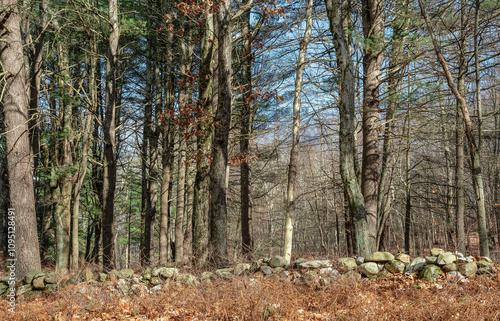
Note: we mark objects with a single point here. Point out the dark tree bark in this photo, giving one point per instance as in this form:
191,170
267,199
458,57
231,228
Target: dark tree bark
109,181
338,17
204,142
222,119
245,133
166,156
18,150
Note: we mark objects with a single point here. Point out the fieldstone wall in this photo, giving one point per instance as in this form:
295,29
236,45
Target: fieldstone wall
315,272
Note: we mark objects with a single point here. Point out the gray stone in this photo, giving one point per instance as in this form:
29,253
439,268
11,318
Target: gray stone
345,264
155,281
240,268
458,254
4,279
352,275
157,288
126,274
485,258
430,272
431,259
485,270
298,261
123,286
456,275
278,270
51,278
167,273
23,289
310,278
436,251
316,264
146,275
395,266
468,259
224,273
189,280
360,260
113,275
405,258
72,279
450,267
379,257
102,277
277,261
328,271
484,263
468,269
32,275
207,275
369,268
38,283
87,275
446,258
416,265
266,270
138,288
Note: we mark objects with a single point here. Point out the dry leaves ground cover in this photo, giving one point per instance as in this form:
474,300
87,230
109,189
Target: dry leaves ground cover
246,298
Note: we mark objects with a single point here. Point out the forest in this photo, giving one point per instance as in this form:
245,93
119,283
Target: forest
140,133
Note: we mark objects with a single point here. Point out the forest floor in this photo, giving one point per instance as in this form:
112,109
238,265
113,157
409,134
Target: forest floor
394,297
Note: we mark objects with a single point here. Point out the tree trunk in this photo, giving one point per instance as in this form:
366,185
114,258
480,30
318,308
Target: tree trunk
222,120
19,158
204,143
109,181
408,214
64,178
294,153
373,30
245,135
338,27
166,155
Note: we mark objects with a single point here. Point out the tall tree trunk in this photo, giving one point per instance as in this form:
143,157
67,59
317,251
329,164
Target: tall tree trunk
184,97
109,182
477,175
19,158
64,184
86,141
245,135
294,153
204,142
395,67
179,209
222,120
166,155
408,215
338,17
373,30
474,149
459,135
188,211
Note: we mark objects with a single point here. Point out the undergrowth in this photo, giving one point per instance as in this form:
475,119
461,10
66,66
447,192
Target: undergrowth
246,298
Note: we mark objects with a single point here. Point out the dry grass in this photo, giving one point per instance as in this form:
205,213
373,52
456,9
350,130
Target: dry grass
391,298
